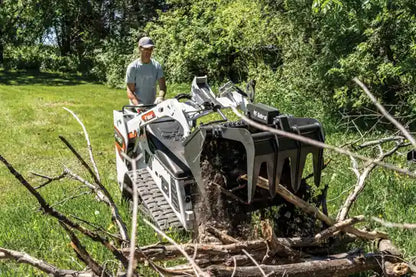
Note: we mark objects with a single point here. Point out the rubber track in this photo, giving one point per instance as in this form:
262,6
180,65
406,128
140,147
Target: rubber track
155,203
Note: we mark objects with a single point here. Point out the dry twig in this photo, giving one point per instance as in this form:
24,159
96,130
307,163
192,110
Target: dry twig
329,232
97,174
50,179
254,261
387,224
132,258
195,267
83,254
385,113
25,258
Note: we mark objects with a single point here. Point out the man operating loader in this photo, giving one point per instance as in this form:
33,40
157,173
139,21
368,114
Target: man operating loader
142,76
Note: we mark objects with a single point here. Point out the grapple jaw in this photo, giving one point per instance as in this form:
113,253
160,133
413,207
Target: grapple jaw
267,154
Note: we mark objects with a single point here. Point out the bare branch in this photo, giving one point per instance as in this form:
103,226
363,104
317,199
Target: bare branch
132,257
99,228
195,267
221,235
254,261
52,212
50,179
340,265
80,158
100,194
83,254
385,113
235,267
329,232
275,245
387,224
88,143
314,211
22,257
63,201
361,178
379,141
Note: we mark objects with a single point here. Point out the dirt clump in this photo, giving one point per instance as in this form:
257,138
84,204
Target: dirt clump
221,200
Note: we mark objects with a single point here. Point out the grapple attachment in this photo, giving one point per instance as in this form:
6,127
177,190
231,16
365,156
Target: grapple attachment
266,152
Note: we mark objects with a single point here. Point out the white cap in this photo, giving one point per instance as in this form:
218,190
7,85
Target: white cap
146,42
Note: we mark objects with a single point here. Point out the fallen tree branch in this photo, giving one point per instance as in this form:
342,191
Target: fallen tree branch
98,228
83,254
72,197
276,247
52,212
314,211
221,235
195,267
25,258
255,262
169,252
387,224
329,232
337,266
132,258
379,141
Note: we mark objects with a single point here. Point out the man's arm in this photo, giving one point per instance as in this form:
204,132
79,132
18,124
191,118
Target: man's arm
162,90
162,87
131,88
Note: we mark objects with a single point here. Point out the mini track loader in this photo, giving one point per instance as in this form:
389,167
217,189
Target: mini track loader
159,150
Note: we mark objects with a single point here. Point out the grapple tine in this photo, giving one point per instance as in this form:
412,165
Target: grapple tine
252,175
309,128
318,164
271,173
279,168
300,166
293,171
245,137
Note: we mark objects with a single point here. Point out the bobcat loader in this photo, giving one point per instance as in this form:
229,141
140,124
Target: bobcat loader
160,151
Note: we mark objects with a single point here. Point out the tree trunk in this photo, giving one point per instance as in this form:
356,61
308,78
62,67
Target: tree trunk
1,53
1,47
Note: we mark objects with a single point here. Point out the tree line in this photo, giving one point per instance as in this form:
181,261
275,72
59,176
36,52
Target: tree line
300,52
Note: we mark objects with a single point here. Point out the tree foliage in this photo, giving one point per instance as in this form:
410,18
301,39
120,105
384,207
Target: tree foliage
77,28
299,51
218,38
305,50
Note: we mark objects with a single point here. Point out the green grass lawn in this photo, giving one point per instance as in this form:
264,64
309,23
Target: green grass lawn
31,119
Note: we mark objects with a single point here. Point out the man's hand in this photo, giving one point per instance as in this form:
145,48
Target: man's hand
131,87
159,100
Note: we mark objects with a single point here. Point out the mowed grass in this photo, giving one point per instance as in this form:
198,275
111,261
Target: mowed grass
31,119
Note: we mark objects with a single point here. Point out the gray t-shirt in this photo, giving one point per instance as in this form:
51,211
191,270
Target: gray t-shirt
144,76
